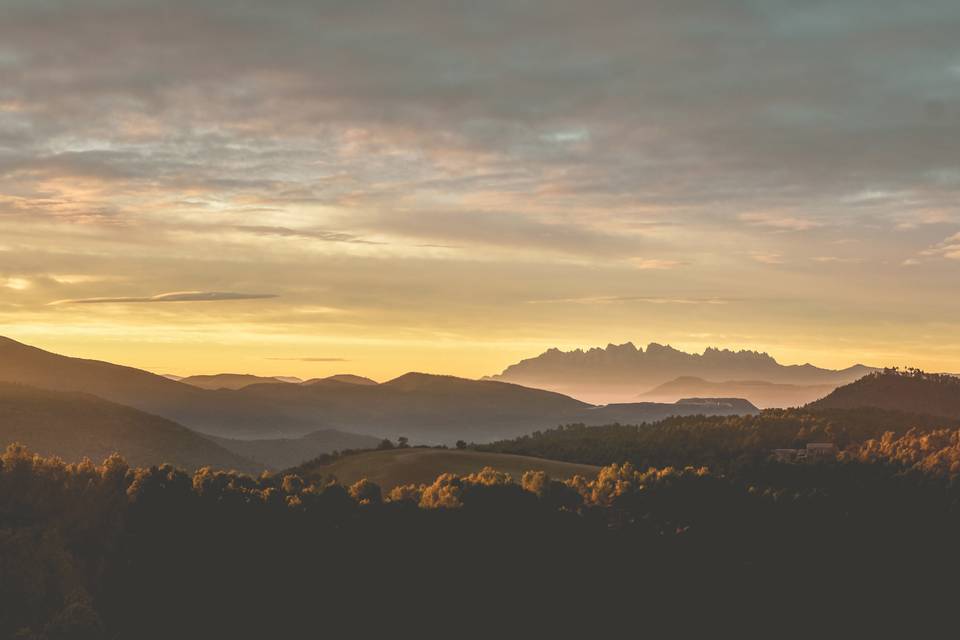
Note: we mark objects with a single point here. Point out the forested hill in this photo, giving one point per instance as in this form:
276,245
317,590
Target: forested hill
720,442
908,390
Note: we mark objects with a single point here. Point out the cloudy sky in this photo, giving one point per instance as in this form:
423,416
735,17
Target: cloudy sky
309,187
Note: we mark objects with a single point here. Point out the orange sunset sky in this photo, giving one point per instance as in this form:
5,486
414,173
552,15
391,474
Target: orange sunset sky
205,187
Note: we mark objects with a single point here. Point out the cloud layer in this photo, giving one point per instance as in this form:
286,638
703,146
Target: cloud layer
426,168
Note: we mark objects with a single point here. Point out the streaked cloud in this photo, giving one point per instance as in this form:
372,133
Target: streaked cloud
643,299
767,258
307,234
654,263
779,221
948,248
177,296
311,359
836,260
407,176
15,283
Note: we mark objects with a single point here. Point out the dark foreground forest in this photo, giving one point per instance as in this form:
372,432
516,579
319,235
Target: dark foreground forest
106,551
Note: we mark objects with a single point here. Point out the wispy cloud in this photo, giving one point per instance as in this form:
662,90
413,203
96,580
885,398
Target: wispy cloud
836,260
779,222
176,296
767,258
311,359
949,248
643,299
654,263
309,234
78,278
16,283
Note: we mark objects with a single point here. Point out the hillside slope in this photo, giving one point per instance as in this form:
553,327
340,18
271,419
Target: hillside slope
422,466
909,391
763,394
283,453
77,425
219,412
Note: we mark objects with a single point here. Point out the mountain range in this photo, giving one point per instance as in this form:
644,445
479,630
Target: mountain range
228,380
620,372
423,407
241,380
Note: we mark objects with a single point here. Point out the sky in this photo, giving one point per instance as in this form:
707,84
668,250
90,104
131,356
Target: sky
314,187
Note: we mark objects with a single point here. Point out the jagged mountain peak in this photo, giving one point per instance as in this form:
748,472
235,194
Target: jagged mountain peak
604,374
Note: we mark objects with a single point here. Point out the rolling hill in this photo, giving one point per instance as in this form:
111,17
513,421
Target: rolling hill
908,391
422,466
283,453
227,380
442,409
763,394
78,425
343,377
423,407
618,372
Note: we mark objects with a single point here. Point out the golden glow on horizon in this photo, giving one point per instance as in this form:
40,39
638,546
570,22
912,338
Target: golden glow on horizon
450,206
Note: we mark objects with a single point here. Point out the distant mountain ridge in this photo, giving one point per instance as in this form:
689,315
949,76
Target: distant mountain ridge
228,380
423,407
635,412
237,381
760,392
347,378
622,371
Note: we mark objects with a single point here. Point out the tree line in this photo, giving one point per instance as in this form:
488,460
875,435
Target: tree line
108,551
727,443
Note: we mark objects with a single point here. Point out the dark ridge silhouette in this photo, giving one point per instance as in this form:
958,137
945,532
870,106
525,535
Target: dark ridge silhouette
622,371
74,426
218,412
909,390
227,380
